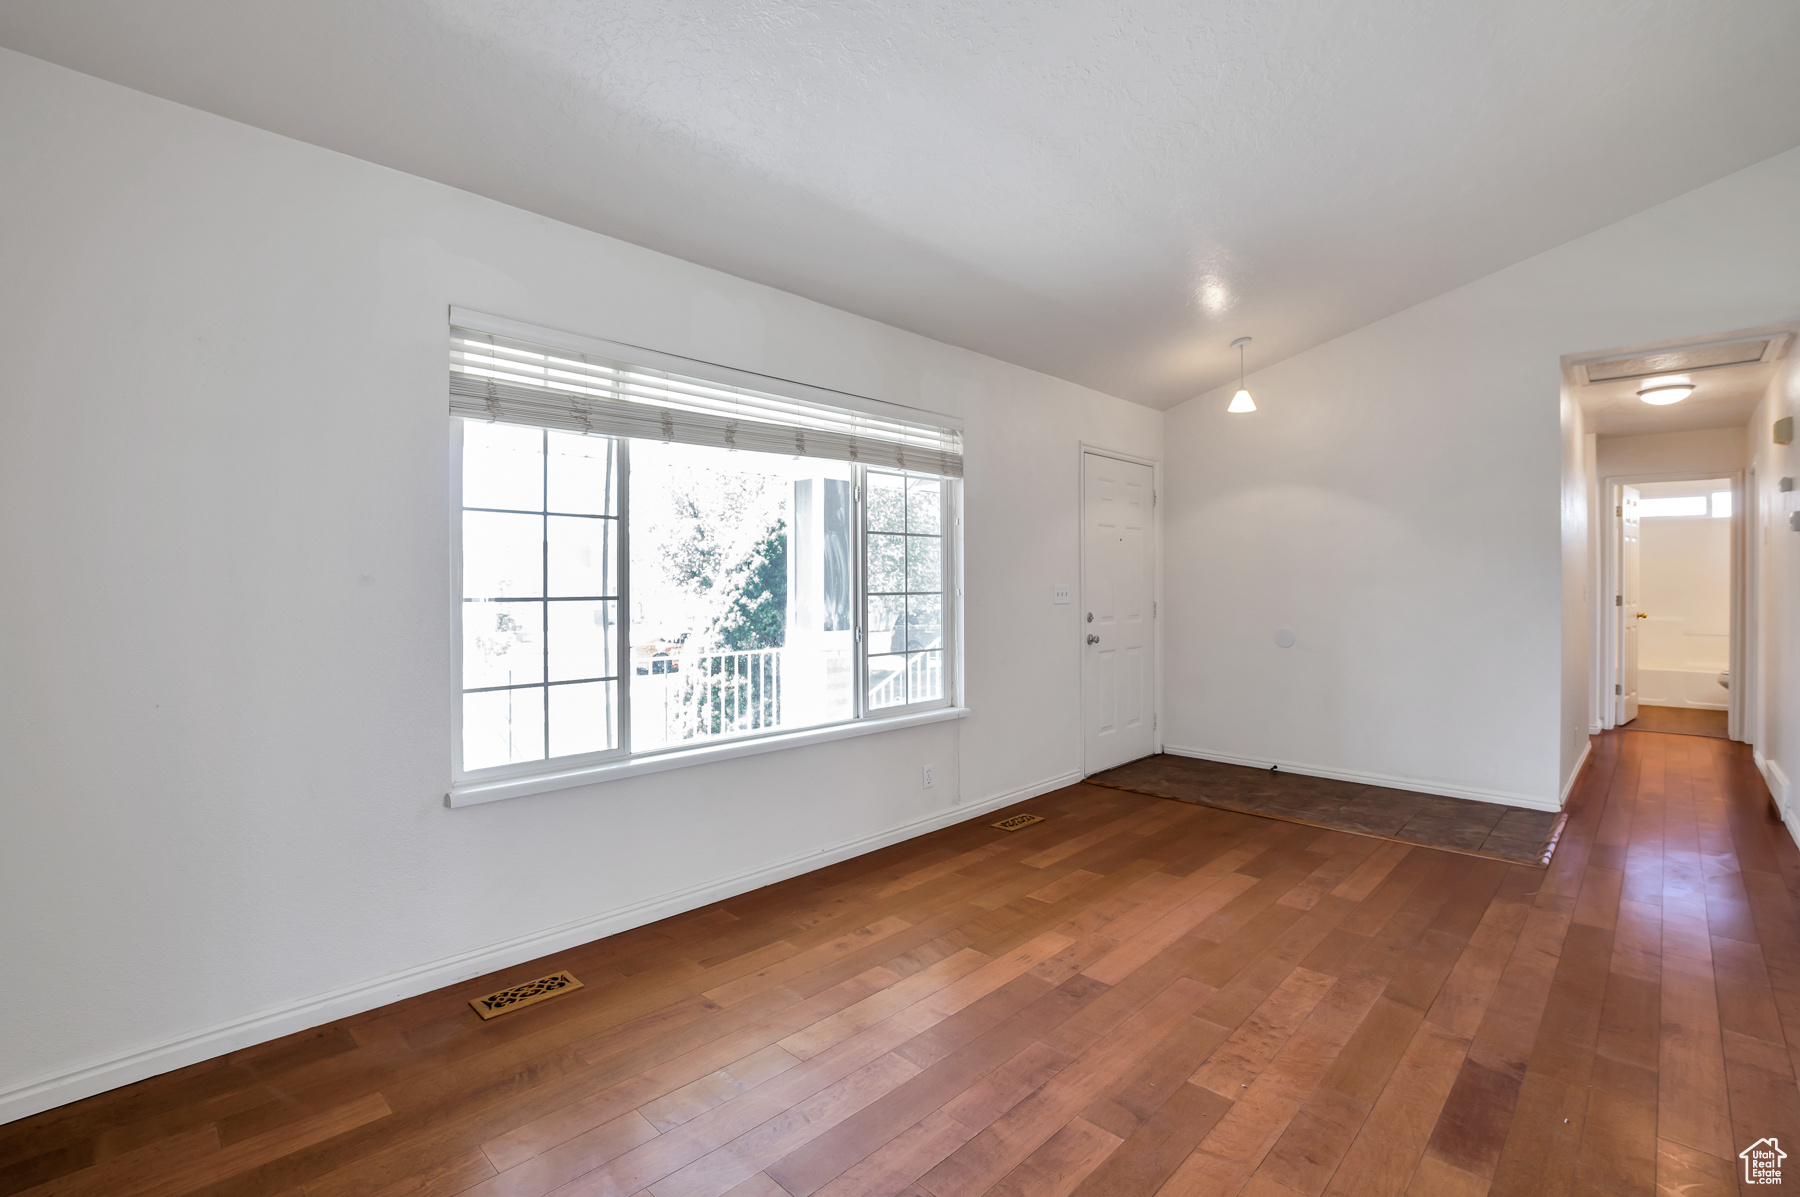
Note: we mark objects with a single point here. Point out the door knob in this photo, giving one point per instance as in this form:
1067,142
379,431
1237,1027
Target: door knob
1093,639
1641,615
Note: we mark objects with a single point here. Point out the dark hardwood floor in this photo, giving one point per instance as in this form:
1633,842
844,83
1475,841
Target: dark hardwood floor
1136,996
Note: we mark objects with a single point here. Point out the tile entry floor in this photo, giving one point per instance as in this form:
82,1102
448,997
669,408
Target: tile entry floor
1681,721
1512,833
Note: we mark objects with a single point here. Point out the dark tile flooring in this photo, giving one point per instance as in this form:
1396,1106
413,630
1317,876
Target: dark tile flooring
1682,721
1459,824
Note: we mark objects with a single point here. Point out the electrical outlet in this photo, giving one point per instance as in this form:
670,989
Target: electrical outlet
926,779
1062,593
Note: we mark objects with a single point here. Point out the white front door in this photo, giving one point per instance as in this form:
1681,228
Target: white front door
1117,595
1629,615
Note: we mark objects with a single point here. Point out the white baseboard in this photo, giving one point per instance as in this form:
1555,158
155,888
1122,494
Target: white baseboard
1415,784
48,1092
1780,790
1587,747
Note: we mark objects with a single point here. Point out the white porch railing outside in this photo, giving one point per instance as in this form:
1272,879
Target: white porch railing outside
713,694
719,693
922,679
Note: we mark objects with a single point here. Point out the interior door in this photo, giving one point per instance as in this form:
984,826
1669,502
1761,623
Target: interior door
1629,614
1118,626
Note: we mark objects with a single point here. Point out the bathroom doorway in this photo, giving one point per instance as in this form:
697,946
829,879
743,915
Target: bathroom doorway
1673,595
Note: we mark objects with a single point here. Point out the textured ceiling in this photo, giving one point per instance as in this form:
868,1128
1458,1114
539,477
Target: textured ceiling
1109,192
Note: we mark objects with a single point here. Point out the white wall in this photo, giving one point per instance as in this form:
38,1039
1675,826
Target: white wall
227,671
1774,550
1408,499
1709,451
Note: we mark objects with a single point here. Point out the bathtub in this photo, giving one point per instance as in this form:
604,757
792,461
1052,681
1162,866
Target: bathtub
1682,688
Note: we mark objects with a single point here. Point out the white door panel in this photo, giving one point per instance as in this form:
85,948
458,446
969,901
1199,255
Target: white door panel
1118,624
1131,687
1106,693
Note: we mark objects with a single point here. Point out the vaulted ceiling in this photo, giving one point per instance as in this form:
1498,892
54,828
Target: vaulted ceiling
1105,191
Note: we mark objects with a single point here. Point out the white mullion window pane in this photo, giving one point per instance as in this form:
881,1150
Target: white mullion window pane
539,583
885,501
904,560
925,676
584,717
924,564
887,623
583,474
503,555
887,680
503,466
503,644
503,727
584,638
924,506
887,563
924,621
581,557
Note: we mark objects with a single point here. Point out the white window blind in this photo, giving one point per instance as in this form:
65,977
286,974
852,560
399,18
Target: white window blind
514,380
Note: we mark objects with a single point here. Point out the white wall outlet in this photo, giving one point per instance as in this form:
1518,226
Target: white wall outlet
1062,593
925,778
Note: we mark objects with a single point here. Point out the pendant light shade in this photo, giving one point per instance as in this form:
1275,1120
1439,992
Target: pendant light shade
1241,402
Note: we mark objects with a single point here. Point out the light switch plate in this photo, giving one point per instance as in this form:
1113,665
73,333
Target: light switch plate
1062,593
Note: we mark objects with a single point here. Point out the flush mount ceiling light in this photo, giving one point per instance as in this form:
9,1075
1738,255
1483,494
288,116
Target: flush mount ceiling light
1662,392
1241,402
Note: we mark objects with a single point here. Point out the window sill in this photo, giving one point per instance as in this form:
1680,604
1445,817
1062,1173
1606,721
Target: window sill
472,793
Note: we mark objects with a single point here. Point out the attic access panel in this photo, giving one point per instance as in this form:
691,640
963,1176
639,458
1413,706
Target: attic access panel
1680,361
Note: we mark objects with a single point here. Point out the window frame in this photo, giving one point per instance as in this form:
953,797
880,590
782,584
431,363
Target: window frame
518,778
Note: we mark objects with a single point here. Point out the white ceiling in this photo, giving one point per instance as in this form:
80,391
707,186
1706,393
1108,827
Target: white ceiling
1109,192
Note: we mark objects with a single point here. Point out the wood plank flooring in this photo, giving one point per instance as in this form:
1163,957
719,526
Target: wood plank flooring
1136,996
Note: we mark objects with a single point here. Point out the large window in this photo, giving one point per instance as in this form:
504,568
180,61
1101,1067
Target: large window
624,596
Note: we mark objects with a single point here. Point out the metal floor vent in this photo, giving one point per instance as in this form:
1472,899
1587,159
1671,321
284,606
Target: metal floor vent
1014,822
495,1004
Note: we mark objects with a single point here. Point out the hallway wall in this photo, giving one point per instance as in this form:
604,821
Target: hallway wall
1410,500
1774,682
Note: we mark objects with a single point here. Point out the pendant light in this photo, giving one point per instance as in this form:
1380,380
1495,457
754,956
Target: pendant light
1241,402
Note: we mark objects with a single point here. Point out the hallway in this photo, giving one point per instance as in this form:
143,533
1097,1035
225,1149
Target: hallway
1135,996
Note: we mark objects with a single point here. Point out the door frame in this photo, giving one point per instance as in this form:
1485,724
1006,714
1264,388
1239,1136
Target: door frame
1156,586
1608,668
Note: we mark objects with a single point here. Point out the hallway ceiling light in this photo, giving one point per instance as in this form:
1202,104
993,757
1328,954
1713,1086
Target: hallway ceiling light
1241,402
1667,393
